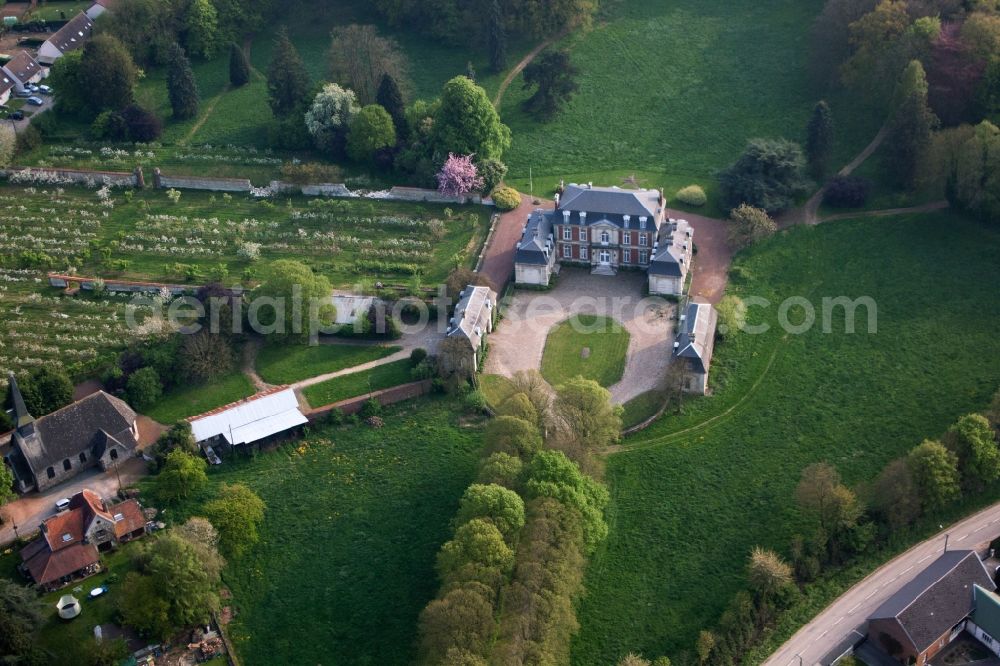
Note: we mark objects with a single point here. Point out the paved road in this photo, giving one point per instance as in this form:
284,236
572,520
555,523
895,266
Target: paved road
850,611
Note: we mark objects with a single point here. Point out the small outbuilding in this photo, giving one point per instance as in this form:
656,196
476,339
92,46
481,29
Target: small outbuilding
694,345
247,421
473,320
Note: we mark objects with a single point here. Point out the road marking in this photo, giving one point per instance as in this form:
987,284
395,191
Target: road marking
856,606
823,634
925,557
994,521
961,537
871,594
837,622
905,570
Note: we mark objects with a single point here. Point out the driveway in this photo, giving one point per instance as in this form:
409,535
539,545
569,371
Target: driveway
29,511
711,264
519,340
27,108
498,261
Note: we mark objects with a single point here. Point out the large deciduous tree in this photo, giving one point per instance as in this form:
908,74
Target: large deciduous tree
329,117
458,176
287,78
894,495
554,76
238,513
287,282
501,506
935,472
466,122
588,414
109,77
514,436
974,183
182,89
359,57
371,131
183,475
204,356
973,441
21,615
767,572
769,175
833,506
201,29
750,225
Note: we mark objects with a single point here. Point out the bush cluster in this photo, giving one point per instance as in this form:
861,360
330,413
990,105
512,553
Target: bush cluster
692,195
506,198
847,192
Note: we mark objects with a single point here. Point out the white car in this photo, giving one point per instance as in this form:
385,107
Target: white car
32,87
62,505
45,90
35,101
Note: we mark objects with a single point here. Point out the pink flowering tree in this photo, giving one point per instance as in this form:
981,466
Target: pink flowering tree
458,176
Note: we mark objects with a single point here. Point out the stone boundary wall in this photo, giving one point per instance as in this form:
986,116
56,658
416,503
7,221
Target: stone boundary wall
486,243
79,176
418,194
132,286
327,190
201,183
387,396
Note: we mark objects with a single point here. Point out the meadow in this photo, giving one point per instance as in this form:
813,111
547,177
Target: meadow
359,383
285,364
692,494
193,241
586,345
354,519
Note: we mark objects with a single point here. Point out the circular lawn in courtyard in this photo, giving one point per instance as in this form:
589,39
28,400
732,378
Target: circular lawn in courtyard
592,346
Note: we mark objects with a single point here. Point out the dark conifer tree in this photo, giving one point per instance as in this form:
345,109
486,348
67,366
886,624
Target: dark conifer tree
497,38
819,140
182,89
239,68
390,98
287,78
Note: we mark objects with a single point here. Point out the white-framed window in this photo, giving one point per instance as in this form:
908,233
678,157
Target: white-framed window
567,251
583,253
605,237
567,233
626,238
643,240
627,256
642,222
643,256
583,234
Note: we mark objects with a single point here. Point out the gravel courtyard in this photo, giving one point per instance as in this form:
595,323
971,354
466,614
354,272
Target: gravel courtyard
519,340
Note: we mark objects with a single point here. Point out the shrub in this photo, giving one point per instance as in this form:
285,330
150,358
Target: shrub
143,126
372,407
475,401
417,355
28,139
144,388
847,192
492,173
336,416
692,195
311,172
506,198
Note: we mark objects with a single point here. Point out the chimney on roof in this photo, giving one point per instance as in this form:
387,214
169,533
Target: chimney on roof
557,200
662,200
21,416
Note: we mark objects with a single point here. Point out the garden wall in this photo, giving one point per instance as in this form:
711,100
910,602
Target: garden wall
327,190
387,396
418,194
78,176
201,183
87,283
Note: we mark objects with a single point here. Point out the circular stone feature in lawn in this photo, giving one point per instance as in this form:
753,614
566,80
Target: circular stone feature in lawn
589,345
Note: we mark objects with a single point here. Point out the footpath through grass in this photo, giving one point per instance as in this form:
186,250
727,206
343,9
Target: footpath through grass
285,364
354,519
359,383
588,345
688,505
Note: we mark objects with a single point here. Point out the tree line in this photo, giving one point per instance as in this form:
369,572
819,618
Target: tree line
513,569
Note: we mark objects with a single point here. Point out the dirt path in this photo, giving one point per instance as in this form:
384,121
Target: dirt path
522,63
249,365
925,208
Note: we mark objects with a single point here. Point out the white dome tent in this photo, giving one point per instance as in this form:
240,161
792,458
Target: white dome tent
68,607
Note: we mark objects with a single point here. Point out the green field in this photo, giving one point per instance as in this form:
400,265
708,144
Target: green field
285,364
689,501
55,10
587,345
195,399
641,407
354,519
671,90
359,383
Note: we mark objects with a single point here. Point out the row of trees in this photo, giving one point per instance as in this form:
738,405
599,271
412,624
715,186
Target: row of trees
514,567
846,522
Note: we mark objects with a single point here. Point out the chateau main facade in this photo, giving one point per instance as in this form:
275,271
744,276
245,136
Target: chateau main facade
607,229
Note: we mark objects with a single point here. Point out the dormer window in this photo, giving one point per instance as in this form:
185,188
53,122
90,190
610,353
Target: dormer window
566,214
583,217
625,219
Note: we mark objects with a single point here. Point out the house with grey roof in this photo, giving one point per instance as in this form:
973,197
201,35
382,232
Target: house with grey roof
606,229
68,38
984,624
930,611
23,70
6,86
472,321
694,345
94,432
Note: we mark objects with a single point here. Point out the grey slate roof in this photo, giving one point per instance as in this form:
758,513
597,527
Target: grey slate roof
938,598
531,247
696,339
74,34
6,82
472,314
610,201
670,254
23,66
87,425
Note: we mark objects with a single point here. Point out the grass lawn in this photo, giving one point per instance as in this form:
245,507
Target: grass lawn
359,383
690,501
587,345
495,388
284,364
641,407
354,520
671,90
55,10
197,399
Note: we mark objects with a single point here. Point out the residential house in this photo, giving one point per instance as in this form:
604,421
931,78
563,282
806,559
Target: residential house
930,611
607,229
473,320
70,542
24,70
6,86
96,431
247,421
984,624
98,8
68,38
695,343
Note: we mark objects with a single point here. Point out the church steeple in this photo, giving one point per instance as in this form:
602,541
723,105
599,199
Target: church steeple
21,416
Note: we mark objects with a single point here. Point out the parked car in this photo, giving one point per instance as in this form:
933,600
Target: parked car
45,90
17,115
35,101
23,93
32,87
62,505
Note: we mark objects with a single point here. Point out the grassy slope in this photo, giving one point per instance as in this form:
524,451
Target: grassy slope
284,364
671,91
359,383
687,507
604,337
199,398
355,517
